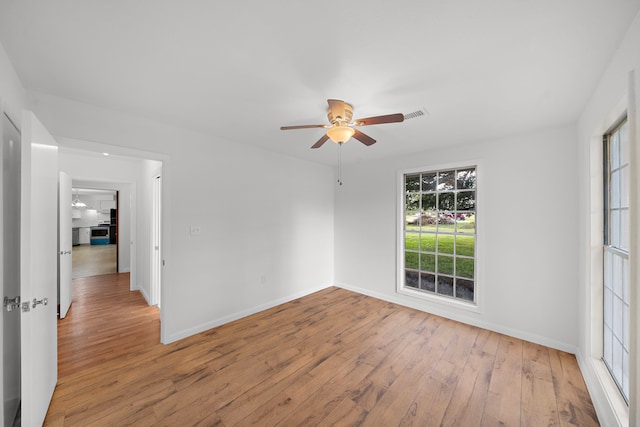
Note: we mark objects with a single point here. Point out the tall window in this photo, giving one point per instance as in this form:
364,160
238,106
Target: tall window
439,233
616,256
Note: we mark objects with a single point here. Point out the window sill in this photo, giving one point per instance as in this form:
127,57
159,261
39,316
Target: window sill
442,300
615,401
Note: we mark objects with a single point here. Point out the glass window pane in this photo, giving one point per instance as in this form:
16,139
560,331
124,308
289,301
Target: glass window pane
614,151
411,260
446,201
411,241
608,346
614,190
624,187
428,242
608,307
614,229
465,289
617,319
446,222
625,281
465,245
429,182
466,223
411,279
445,243
428,262
446,180
466,201
429,221
445,264
412,183
624,230
428,282
464,267
608,270
617,275
429,202
624,144
412,204
626,325
616,360
466,178
445,285
625,373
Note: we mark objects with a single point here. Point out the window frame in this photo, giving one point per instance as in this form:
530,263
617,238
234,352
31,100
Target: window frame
614,251
453,302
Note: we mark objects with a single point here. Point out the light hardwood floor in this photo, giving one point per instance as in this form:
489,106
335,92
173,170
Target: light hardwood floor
331,358
91,260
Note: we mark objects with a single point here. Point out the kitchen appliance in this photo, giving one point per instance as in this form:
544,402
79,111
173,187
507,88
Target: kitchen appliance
113,227
100,235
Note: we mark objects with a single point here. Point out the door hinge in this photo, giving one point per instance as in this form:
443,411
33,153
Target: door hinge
11,304
26,307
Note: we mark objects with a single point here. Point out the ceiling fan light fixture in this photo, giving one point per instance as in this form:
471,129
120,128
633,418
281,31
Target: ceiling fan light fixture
340,133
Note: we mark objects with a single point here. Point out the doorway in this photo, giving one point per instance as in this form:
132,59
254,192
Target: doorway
95,231
129,173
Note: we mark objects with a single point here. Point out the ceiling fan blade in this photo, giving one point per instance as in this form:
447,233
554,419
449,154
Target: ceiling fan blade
320,141
378,120
302,127
364,138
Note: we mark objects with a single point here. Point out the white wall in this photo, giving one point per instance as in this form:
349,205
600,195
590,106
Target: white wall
266,219
611,97
527,233
12,93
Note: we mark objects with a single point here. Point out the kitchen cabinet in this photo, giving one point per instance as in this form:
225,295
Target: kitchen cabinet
107,205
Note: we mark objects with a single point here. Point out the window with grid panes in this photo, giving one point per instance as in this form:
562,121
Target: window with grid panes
616,319
439,233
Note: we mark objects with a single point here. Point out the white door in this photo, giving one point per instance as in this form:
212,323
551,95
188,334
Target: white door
64,243
10,270
38,269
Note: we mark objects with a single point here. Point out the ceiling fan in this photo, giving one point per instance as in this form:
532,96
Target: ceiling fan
341,125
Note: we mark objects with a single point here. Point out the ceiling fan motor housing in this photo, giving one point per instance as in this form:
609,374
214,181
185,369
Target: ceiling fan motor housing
340,113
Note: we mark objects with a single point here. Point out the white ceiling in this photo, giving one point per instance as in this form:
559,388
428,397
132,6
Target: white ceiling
240,69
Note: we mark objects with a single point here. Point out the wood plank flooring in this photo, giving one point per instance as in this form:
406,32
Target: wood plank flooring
91,260
331,358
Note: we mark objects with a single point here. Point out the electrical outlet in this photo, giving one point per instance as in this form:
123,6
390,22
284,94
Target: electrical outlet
195,230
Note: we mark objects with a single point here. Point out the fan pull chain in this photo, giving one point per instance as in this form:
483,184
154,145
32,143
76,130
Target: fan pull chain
340,163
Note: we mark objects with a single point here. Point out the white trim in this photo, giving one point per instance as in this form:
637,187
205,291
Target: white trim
610,407
239,315
146,296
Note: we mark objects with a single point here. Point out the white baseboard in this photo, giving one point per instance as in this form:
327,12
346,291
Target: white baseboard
145,295
239,315
523,335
